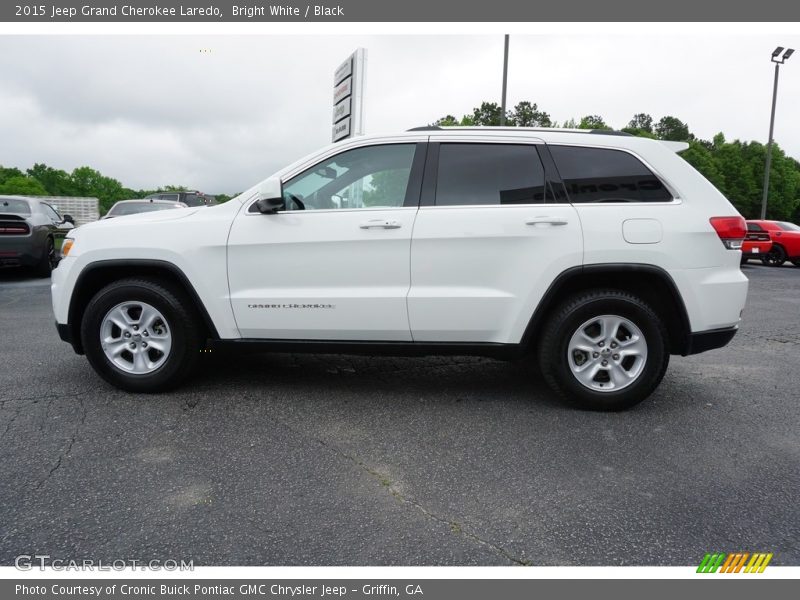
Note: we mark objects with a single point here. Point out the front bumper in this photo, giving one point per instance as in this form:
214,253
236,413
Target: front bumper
709,340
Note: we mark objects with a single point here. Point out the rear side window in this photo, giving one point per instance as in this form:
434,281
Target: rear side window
472,174
605,175
754,227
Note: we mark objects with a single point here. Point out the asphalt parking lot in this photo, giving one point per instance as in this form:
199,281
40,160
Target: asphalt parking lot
325,460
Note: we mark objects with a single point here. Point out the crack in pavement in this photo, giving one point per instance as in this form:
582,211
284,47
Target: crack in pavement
66,452
455,527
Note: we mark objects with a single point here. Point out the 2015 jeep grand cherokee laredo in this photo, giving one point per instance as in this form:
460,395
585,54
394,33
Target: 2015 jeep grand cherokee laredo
598,255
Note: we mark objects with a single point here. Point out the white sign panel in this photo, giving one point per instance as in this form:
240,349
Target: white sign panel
341,110
341,130
343,90
348,96
345,70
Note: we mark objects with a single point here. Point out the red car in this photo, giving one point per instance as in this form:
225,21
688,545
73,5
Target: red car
785,241
757,243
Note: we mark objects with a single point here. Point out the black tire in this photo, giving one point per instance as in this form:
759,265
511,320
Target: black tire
775,257
796,262
743,260
575,311
182,323
48,260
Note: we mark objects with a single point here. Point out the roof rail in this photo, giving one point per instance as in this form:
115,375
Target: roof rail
493,128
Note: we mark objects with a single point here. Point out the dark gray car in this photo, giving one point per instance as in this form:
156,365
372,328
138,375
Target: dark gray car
28,232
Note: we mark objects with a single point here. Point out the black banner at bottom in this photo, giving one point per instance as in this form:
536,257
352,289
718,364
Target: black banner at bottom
421,589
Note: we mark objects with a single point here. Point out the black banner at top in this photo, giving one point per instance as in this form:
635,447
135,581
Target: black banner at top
399,11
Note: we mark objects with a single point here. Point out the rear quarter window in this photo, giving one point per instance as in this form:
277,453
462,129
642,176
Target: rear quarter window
14,207
606,175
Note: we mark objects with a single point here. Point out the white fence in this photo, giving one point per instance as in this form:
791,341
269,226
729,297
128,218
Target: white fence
83,210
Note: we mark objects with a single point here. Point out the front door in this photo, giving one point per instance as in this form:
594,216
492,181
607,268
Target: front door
335,263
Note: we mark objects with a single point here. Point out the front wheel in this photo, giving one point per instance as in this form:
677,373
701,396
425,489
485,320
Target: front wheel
604,350
141,335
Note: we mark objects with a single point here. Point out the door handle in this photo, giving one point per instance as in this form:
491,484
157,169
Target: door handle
379,224
552,221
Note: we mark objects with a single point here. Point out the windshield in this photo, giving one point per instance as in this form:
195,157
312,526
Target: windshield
786,226
133,208
14,206
194,200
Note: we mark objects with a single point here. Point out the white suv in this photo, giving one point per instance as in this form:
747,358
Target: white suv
599,254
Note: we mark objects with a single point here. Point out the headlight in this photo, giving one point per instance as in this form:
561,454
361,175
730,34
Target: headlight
67,246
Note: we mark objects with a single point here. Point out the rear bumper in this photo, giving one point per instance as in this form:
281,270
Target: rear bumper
19,252
709,340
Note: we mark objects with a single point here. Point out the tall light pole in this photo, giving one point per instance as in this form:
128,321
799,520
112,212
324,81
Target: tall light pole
778,60
505,84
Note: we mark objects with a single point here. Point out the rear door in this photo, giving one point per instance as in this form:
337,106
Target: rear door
493,232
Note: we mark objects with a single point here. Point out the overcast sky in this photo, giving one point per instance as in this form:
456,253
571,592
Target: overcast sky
152,111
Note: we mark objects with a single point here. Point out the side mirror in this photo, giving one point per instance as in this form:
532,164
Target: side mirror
269,206
68,219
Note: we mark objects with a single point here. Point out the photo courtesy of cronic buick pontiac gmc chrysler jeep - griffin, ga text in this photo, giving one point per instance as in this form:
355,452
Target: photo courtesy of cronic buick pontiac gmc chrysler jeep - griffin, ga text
593,254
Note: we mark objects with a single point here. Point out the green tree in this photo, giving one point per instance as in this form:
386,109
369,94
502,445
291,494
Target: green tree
673,129
89,182
55,181
487,114
7,173
527,114
641,122
593,122
703,160
23,185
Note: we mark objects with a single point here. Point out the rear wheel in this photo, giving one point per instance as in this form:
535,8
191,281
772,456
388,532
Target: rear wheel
604,350
775,257
796,262
141,335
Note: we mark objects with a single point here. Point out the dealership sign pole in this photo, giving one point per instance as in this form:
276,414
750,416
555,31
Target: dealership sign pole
348,96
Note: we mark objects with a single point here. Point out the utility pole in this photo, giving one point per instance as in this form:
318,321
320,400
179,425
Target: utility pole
505,84
778,62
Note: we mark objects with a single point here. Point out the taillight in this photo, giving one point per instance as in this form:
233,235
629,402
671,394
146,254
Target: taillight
14,229
731,230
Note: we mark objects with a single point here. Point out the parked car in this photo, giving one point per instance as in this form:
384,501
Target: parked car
137,206
193,198
597,255
757,243
29,229
785,241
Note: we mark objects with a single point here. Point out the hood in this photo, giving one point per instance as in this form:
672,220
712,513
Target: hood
143,218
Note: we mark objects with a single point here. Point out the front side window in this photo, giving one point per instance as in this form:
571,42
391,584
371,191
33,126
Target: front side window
606,175
480,174
369,177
